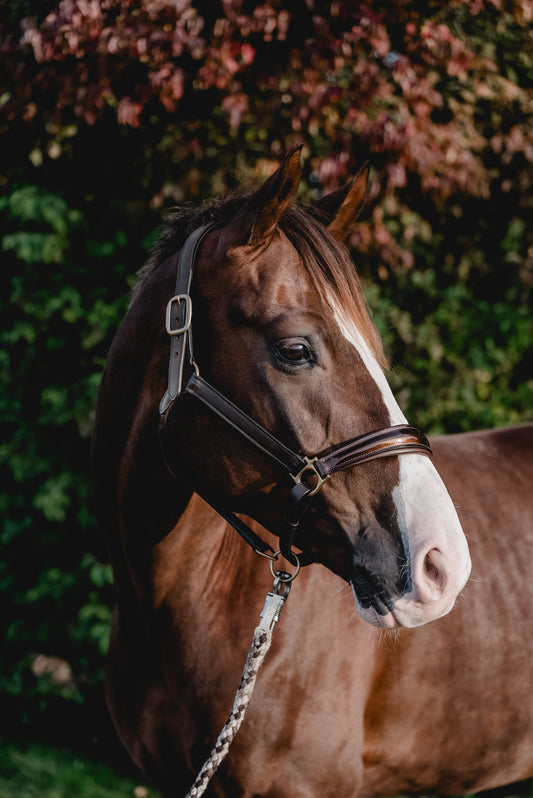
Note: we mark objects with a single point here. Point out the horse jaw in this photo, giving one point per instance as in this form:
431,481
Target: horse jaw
431,531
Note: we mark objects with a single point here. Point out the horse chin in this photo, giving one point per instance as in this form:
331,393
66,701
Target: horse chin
377,616
404,614
373,617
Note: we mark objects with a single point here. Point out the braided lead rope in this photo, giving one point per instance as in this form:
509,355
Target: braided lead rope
256,655
260,644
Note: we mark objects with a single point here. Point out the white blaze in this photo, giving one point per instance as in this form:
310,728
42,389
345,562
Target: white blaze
424,512
352,334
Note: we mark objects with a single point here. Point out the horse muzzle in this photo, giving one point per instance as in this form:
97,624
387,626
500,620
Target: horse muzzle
432,593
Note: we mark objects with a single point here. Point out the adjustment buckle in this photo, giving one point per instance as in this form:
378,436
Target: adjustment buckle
179,299
310,468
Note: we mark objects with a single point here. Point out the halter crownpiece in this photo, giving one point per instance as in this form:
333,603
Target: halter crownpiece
178,322
308,473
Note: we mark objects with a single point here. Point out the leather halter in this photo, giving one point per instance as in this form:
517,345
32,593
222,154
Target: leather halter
308,473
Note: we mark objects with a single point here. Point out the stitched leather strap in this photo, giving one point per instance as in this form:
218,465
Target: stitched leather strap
179,315
399,439
300,497
257,435
248,535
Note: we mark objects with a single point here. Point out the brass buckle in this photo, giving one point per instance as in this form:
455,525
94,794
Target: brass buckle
310,468
179,298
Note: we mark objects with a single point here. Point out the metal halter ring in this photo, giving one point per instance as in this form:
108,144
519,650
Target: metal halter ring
283,576
310,469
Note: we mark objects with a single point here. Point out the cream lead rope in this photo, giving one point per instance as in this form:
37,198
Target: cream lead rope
261,643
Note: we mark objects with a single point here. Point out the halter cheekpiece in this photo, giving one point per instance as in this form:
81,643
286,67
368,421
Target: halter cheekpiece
308,473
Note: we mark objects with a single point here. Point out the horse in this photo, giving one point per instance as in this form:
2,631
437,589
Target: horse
245,390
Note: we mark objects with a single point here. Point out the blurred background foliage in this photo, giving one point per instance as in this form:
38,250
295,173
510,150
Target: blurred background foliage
112,111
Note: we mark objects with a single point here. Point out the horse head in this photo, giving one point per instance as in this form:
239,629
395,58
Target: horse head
280,327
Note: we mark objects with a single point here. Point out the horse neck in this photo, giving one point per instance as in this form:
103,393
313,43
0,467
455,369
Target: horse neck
203,572
137,499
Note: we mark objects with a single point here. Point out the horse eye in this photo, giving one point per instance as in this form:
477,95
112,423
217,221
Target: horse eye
293,352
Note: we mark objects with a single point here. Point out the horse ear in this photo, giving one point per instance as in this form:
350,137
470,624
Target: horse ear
267,205
344,205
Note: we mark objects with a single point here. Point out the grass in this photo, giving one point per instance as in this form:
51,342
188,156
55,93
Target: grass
34,770
38,771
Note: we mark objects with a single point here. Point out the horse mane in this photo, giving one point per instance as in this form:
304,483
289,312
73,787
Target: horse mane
327,260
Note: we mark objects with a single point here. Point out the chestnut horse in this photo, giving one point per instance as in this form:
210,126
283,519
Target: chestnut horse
275,407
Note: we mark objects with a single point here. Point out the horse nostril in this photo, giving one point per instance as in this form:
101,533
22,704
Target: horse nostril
432,571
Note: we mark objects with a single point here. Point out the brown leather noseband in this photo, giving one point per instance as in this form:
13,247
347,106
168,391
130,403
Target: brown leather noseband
308,473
